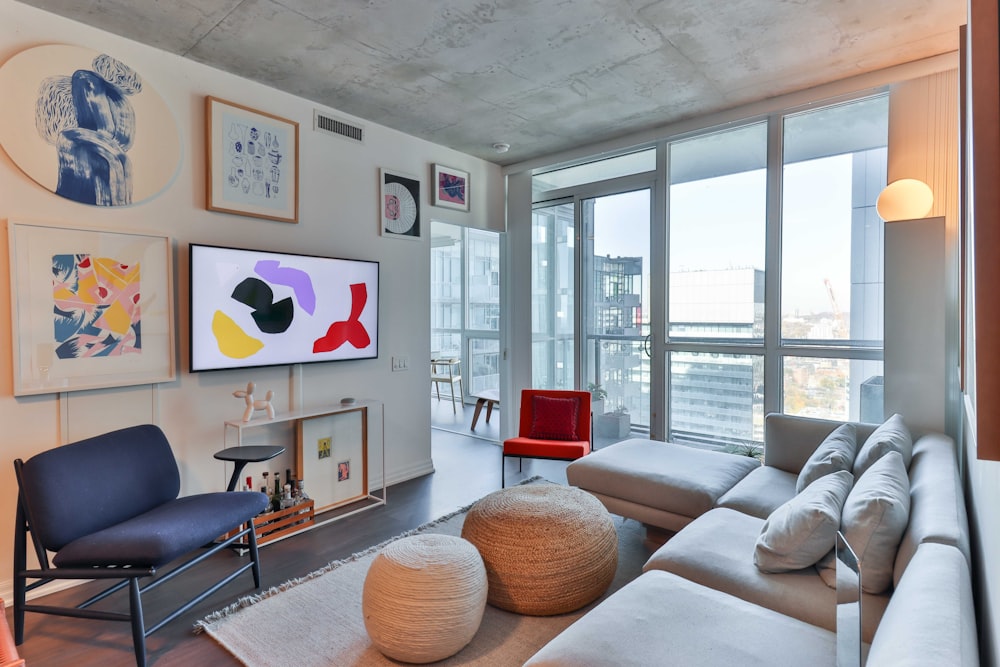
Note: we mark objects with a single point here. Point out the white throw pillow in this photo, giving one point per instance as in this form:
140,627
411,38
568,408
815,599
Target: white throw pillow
873,521
890,436
836,452
804,529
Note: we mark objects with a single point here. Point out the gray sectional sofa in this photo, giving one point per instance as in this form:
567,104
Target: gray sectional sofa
703,599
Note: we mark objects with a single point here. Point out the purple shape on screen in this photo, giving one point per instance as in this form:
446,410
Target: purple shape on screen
300,282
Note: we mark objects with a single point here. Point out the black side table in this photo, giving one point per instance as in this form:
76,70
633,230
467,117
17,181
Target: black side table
241,456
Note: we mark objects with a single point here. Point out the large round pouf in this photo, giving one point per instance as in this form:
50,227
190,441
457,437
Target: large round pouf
424,597
548,549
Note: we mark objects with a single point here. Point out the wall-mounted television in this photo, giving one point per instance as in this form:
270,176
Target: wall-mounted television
260,308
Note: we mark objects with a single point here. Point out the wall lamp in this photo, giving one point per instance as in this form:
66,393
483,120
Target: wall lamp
905,199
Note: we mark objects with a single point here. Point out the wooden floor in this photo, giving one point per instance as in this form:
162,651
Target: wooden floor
466,468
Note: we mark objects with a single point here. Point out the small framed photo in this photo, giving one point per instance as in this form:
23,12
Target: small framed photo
344,471
253,162
451,188
399,205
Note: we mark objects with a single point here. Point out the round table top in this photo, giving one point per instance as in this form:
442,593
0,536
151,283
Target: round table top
251,453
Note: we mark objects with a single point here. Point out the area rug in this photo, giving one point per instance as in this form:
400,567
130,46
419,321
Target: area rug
316,620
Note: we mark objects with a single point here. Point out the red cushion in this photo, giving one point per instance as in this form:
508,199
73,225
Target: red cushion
554,418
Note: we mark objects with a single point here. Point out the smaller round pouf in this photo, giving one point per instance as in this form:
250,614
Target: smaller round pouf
424,597
548,549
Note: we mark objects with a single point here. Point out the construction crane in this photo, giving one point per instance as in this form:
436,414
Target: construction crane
838,316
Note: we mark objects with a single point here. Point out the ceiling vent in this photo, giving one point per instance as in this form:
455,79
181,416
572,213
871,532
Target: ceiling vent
330,125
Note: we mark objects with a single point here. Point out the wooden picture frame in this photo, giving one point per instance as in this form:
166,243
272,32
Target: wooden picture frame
451,187
252,162
90,308
324,442
399,205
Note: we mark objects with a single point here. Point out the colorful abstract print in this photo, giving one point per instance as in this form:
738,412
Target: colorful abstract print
276,317
96,306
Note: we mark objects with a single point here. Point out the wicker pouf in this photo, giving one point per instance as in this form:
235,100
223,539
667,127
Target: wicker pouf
424,597
548,549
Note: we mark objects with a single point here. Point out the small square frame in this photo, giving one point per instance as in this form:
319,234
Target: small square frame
451,187
399,205
253,162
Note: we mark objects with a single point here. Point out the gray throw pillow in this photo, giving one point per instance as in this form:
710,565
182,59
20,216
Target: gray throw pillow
804,529
836,452
873,521
891,436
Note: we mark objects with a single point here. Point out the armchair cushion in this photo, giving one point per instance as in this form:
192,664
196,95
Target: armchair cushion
554,418
160,535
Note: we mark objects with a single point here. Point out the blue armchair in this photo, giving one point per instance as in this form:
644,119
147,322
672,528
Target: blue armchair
108,508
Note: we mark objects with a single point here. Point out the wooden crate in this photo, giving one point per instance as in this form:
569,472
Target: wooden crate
274,525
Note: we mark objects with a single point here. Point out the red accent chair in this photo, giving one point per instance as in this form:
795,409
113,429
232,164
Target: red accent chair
554,424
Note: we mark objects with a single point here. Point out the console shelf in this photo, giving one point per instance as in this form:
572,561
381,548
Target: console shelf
336,490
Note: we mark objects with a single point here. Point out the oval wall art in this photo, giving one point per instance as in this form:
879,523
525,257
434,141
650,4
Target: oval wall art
86,126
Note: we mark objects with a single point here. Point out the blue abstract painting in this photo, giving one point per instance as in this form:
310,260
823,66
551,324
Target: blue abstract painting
87,116
97,133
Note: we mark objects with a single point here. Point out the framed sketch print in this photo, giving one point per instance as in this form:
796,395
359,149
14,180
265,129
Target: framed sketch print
451,188
399,205
253,162
91,308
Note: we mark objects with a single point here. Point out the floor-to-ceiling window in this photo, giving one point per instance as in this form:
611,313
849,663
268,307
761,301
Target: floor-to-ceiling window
465,302
771,271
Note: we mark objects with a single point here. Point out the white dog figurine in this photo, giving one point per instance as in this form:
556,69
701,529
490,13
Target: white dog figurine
247,395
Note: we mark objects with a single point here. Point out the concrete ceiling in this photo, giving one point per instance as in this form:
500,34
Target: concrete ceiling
541,75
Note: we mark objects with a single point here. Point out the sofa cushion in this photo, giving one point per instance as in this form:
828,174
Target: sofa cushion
554,418
874,518
932,619
836,452
891,436
804,529
761,492
634,628
666,476
716,550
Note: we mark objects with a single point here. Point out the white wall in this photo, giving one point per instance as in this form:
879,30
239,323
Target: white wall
337,216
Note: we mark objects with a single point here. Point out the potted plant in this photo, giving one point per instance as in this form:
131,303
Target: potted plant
614,424
597,396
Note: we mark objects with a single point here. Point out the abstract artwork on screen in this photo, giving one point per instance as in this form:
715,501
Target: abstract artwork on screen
95,306
86,126
262,308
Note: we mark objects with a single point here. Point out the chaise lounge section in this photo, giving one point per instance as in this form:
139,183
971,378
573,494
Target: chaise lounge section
703,600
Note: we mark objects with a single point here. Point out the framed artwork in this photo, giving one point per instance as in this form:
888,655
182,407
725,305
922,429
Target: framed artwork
253,162
327,445
399,205
86,126
451,188
90,308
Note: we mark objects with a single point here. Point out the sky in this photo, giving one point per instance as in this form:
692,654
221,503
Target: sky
718,223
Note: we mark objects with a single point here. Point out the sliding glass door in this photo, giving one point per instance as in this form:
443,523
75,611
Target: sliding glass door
616,307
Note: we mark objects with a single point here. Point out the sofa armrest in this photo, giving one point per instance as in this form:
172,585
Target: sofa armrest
790,440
